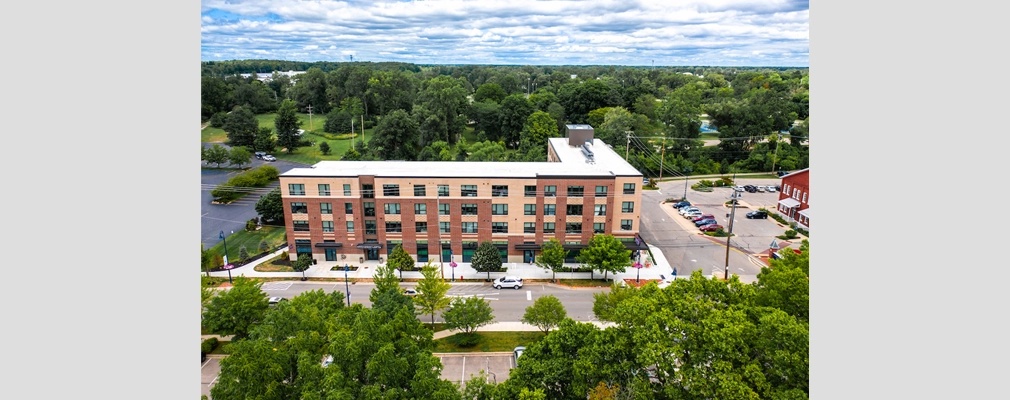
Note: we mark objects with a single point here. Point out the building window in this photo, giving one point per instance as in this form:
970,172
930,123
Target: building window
796,193
370,228
368,191
421,227
301,226
443,227
350,226
548,227
573,209
348,208
468,209
420,209
303,246
804,197
469,227
369,209
443,190
530,191
391,190
325,208
347,189
549,209
468,190
598,227
299,208
296,189
529,209
391,208
443,209
785,189
422,254
575,191
393,227
628,207
499,209
600,210
550,191
327,226
601,191
625,224
419,191
629,188
529,227
324,189
499,227
573,227
499,191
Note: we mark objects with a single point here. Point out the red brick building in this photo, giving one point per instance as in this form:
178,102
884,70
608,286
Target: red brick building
794,199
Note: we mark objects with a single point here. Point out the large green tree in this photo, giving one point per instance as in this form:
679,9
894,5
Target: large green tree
303,263
239,156
512,116
552,257
241,126
400,260
539,127
467,314
486,259
396,137
216,155
489,92
545,313
432,291
270,207
237,310
605,253
264,140
446,97
287,123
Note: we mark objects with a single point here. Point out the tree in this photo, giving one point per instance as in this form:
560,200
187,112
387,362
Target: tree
216,154
446,97
431,292
206,258
243,253
337,121
539,127
214,96
235,311
486,259
241,126
486,115
552,257
239,156
512,116
396,137
616,121
400,260
605,253
385,279
270,207
286,122
545,313
351,155
490,92
264,140
487,151
467,314
301,264
263,246
324,148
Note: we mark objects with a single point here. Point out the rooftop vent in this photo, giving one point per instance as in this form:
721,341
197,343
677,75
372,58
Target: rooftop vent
588,153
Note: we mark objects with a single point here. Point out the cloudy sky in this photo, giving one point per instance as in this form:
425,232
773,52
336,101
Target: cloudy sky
599,32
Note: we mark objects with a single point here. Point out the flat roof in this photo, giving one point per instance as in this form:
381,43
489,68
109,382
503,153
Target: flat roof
572,163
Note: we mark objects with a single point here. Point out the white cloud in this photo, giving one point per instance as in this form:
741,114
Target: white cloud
310,47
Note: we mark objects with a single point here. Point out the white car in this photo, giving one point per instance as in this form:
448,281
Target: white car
508,281
692,214
518,352
685,210
738,188
269,158
761,188
770,189
410,292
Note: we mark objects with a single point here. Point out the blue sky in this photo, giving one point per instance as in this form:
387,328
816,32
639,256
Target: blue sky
587,32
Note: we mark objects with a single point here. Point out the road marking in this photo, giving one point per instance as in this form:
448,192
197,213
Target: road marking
277,286
694,260
462,375
740,269
205,363
212,382
529,295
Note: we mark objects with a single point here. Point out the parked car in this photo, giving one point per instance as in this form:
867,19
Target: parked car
260,154
274,300
410,292
704,216
757,215
692,214
508,281
760,189
771,189
269,158
681,204
685,210
782,173
752,189
704,222
711,227
518,352
738,188
645,181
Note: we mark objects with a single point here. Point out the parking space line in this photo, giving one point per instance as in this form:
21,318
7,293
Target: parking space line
462,374
529,295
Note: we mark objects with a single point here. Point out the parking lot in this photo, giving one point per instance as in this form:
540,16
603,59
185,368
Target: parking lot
208,374
460,367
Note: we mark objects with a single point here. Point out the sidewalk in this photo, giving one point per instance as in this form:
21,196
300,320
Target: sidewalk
508,327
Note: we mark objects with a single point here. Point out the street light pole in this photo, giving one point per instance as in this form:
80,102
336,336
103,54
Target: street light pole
221,235
346,286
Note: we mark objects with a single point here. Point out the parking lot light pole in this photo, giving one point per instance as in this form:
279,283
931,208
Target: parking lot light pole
346,286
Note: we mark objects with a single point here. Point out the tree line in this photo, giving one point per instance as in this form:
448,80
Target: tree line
419,111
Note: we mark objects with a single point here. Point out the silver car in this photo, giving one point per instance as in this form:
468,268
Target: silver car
508,281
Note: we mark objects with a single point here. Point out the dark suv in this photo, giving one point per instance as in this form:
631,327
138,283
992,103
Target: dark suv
681,204
757,215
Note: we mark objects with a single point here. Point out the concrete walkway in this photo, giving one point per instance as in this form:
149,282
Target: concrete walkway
508,327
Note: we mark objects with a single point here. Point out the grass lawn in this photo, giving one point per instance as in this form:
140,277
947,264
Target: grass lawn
274,235
586,282
492,341
276,264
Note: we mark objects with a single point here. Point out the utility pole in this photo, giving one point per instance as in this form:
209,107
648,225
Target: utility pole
310,117
776,157
732,215
362,128
661,157
687,171
627,147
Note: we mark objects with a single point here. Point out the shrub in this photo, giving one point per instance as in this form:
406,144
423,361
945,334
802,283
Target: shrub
243,254
804,232
725,181
790,234
217,120
369,124
250,225
208,345
324,148
264,247
285,256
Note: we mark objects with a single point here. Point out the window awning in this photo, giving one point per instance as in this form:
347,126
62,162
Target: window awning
805,212
633,246
573,246
370,246
527,246
329,244
789,202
